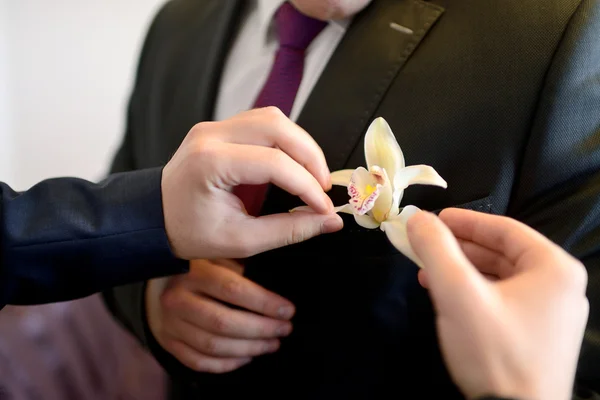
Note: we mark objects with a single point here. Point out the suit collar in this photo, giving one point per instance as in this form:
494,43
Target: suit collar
196,74
361,70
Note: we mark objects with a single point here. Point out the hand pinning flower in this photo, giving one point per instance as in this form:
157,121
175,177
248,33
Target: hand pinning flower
376,192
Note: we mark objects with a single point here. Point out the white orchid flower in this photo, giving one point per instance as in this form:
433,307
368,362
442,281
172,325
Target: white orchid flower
376,192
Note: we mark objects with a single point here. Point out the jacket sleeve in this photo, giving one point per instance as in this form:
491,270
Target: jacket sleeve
558,189
68,238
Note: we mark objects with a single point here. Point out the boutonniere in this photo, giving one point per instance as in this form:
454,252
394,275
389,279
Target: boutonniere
376,191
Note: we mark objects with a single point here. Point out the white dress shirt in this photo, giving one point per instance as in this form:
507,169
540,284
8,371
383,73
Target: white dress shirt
251,57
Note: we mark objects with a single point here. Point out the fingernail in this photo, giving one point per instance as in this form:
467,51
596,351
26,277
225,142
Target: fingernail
327,175
332,224
285,312
245,361
272,347
283,330
328,202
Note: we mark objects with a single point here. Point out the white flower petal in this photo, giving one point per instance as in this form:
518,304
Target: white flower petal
397,197
346,208
395,230
418,175
394,211
366,221
363,190
341,177
382,148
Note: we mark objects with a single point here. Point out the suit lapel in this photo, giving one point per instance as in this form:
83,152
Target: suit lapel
360,71
198,66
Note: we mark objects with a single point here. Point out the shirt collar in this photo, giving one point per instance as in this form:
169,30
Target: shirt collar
266,12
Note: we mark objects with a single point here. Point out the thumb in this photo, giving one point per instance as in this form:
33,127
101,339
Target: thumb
277,230
451,277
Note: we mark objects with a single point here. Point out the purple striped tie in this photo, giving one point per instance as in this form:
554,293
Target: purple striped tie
295,32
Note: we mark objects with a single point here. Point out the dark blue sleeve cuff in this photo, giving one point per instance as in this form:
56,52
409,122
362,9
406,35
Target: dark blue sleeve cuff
68,238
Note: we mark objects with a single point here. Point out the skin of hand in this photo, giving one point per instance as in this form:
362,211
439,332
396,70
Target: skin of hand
191,316
517,335
205,220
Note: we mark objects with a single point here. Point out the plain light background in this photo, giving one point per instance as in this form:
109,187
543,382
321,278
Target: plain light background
66,73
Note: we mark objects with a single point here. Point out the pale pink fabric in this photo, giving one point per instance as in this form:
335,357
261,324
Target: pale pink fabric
73,351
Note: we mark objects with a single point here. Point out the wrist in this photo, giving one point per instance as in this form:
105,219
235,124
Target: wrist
170,231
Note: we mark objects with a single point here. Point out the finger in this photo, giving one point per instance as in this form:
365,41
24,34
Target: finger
501,234
424,280
220,346
203,363
256,165
269,127
219,319
227,263
230,264
230,287
450,275
279,230
487,261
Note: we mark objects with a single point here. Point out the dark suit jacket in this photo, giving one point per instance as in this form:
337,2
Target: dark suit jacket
68,238
502,97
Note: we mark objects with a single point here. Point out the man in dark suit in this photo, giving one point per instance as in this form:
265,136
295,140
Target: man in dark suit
69,238
500,97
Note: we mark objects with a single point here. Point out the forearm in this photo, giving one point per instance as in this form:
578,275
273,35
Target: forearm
68,238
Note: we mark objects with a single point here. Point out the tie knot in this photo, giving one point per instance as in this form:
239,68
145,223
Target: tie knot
295,29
